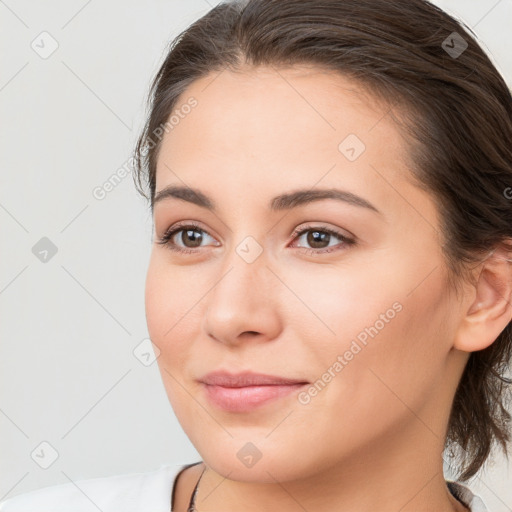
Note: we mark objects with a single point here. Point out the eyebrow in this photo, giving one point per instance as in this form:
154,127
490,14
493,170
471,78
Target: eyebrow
278,203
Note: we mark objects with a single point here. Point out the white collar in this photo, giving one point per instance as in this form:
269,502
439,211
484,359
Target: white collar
464,495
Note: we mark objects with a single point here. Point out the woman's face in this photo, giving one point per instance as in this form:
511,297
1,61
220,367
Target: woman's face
355,303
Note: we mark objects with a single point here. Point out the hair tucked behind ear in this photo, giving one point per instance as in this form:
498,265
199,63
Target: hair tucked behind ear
457,113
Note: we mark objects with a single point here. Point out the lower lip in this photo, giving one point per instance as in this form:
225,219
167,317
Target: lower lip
247,398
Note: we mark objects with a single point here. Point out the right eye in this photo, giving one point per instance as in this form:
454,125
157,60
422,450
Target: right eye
189,231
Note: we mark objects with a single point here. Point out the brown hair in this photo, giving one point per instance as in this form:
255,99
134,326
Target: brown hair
458,113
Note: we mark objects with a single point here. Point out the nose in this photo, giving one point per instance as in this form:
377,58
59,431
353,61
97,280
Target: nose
243,304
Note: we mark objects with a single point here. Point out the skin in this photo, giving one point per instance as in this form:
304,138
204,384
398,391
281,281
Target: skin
372,438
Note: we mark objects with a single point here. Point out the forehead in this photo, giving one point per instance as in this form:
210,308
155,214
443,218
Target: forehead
267,108
285,127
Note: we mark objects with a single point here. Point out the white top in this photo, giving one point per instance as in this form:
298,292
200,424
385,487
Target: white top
137,492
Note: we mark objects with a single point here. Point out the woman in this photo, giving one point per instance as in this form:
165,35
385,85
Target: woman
330,283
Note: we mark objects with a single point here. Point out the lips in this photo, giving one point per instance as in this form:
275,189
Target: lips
226,379
246,391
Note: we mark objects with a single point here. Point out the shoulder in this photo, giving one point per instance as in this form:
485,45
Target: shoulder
129,492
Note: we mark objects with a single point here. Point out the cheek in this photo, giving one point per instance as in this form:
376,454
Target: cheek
157,302
165,307
382,337
339,306
402,354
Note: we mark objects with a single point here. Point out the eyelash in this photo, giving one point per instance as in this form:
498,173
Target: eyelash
165,239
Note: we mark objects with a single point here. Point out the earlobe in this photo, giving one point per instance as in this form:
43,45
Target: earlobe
491,309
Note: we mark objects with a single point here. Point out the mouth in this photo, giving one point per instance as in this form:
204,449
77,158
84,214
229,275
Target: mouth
247,391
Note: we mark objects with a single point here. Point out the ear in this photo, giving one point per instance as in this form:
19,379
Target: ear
491,310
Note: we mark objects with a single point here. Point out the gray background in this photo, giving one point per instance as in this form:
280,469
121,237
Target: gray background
70,325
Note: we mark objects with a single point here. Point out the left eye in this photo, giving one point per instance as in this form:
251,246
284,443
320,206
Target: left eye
316,237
